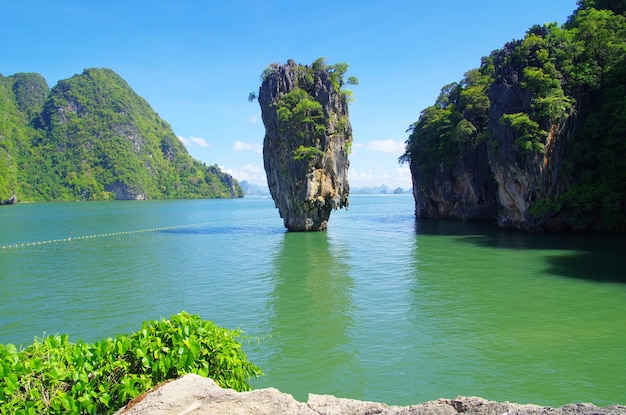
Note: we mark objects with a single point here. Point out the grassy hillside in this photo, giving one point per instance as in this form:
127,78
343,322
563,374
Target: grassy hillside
93,138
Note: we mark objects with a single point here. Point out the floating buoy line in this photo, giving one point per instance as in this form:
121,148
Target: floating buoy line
71,237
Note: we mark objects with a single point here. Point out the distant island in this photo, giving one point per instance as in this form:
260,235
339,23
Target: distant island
91,137
252,189
535,138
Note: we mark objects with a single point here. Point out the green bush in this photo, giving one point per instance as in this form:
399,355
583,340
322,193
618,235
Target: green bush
306,153
55,376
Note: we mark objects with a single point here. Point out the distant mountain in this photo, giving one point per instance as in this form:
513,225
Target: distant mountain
382,189
93,138
251,189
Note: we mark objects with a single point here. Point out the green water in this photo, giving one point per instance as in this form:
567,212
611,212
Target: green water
380,307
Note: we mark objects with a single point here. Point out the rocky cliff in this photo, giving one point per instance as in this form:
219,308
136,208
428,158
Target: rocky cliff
194,395
533,139
526,148
307,141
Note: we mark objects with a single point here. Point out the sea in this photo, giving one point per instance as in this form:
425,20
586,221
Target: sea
382,306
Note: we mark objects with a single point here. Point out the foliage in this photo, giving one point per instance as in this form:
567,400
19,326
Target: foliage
301,116
55,376
306,153
544,208
16,110
578,69
529,136
459,115
90,135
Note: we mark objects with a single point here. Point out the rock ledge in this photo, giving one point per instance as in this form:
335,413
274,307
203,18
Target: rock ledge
195,395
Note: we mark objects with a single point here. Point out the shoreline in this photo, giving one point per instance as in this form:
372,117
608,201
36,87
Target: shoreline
193,394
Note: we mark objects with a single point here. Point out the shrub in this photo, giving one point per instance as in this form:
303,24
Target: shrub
55,376
306,153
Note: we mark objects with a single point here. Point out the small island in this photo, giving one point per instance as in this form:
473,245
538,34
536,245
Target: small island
307,141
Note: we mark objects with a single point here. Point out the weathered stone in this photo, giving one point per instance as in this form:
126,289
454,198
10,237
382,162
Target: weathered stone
305,152
195,395
10,201
524,178
465,193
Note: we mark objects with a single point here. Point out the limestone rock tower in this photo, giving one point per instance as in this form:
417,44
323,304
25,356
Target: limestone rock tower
307,141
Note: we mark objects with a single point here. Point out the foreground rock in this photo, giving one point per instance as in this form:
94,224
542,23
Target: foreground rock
307,141
195,395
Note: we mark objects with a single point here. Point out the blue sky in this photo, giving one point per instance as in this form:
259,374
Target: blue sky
196,61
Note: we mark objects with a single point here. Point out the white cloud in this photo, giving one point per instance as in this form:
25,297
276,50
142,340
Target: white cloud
191,141
250,173
386,146
183,140
199,141
377,175
243,146
253,120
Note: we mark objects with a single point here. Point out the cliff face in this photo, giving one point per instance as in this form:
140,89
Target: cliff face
307,142
533,139
490,174
525,178
466,192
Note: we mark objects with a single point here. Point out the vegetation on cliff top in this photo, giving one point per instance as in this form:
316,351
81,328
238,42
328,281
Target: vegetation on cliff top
93,138
55,376
577,70
300,114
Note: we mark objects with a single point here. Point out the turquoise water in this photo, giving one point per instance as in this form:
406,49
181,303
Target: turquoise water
380,307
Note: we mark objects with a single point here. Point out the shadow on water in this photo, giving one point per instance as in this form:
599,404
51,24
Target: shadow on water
603,263
311,311
584,256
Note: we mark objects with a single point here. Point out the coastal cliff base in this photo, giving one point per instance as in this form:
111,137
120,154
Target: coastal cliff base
195,395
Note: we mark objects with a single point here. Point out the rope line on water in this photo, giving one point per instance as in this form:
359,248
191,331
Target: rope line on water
158,229
103,235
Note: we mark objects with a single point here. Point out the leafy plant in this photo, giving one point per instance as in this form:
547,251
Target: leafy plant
55,376
305,153
529,136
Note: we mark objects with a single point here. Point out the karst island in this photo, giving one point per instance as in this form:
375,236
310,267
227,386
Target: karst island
307,140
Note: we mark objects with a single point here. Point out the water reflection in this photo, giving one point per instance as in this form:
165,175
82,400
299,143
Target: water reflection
582,256
503,324
311,315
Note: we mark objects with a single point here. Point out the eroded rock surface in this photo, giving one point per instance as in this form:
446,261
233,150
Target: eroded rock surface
195,395
307,142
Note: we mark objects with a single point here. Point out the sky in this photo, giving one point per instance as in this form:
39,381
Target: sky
196,61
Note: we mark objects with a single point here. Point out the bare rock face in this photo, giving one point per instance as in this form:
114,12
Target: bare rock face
307,142
495,148
466,192
525,178
195,395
